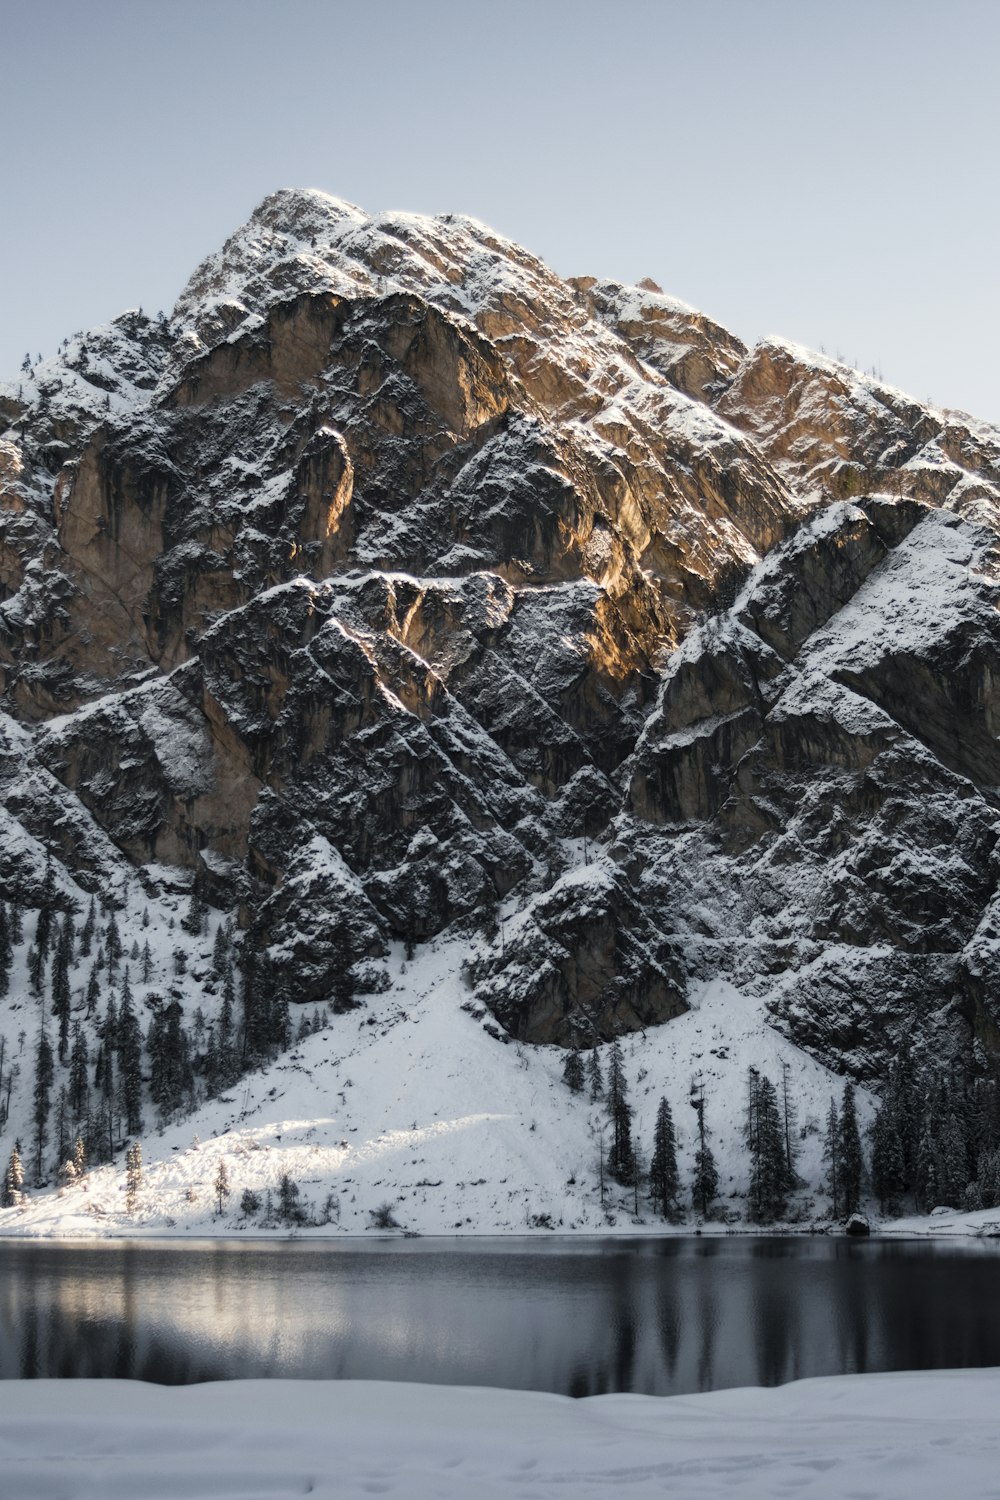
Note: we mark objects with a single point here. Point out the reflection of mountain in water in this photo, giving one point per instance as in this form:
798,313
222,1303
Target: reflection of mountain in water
653,1316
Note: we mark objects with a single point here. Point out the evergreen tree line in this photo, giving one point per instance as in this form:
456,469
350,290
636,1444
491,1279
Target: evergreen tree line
623,1159
935,1139
89,1087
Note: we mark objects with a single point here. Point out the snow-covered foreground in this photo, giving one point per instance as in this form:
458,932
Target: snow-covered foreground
412,1102
881,1437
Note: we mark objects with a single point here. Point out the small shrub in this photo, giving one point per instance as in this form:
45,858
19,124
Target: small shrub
383,1216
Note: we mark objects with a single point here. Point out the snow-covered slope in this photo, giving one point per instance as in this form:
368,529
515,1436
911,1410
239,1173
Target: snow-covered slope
414,1103
396,595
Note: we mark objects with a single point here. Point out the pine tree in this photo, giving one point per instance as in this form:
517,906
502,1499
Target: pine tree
194,920
851,1161
78,1063
222,1182
170,1060
61,1000
147,963
113,946
256,1007
288,1200
36,969
769,1175
62,1125
788,1119
133,1176
887,1159
44,1072
281,1021
226,1042
621,1156
595,1076
953,1171
87,930
13,1180
93,992
572,1072
6,949
80,1157
129,1044
705,1183
664,1178
46,910
343,976
831,1155
220,951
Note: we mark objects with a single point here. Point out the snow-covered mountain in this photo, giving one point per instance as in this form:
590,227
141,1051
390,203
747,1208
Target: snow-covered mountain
404,598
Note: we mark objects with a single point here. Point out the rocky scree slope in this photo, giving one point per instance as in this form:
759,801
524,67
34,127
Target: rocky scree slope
391,575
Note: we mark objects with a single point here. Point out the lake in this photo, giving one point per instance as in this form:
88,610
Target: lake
578,1317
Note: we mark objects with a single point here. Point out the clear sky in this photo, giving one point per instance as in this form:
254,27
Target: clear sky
826,172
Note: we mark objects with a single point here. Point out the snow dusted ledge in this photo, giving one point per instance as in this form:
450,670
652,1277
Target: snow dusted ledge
886,1437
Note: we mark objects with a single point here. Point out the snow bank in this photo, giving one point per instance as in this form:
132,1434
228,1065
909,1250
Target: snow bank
885,1437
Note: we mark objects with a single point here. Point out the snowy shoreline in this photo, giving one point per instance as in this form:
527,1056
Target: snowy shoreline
904,1436
981,1225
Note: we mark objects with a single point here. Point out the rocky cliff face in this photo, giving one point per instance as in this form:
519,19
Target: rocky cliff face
392,577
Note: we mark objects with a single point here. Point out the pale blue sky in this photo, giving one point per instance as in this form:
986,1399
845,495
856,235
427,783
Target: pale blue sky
824,172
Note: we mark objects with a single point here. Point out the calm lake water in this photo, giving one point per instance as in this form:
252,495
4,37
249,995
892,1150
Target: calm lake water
577,1318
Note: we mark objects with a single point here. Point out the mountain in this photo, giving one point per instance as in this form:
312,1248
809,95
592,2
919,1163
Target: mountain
394,593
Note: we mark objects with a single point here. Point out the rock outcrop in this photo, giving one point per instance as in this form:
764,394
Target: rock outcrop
392,577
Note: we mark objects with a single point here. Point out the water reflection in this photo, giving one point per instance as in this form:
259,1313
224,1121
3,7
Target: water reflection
581,1319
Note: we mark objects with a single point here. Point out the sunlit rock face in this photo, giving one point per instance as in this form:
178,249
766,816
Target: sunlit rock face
392,577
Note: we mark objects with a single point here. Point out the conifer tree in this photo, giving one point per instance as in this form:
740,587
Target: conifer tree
851,1162
281,1021
36,969
170,1060
953,1170
87,930
78,1063
343,976
788,1121
80,1157
887,1159
44,1072
46,910
769,1176
222,1182
220,951
621,1155
226,1037
664,1179
13,1181
595,1076
572,1072
133,1176
62,1125
129,1043
16,924
194,919
113,946
93,992
705,1183
6,949
831,1156
60,984
288,1200
146,970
